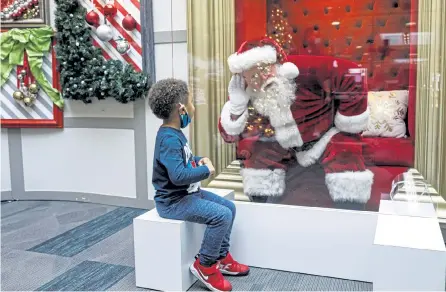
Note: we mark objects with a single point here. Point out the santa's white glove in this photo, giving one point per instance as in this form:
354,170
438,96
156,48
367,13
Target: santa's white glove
238,98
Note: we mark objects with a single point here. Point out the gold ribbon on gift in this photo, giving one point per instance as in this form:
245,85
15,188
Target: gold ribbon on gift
36,42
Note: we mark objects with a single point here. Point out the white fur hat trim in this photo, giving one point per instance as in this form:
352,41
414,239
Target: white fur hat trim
248,59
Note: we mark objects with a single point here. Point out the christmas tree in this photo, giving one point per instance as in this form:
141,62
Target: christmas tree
84,74
279,29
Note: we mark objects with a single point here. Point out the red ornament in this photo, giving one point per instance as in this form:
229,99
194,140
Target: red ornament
35,2
129,23
30,5
92,18
110,10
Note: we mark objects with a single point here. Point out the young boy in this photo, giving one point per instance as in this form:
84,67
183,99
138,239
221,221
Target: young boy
176,178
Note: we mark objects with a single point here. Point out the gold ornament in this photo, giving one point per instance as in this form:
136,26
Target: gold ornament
33,88
28,101
18,95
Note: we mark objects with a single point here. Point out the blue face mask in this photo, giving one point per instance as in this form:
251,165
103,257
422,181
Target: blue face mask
184,120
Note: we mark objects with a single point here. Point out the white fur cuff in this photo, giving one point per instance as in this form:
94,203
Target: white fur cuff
354,124
232,127
288,70
289,136
309,157
351,186
263,182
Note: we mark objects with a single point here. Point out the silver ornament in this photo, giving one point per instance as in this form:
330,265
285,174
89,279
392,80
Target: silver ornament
90,89
77,44
103,67
82,59
138,85
94,59
75,86
122,46
102,93
82,82
104,33
71,15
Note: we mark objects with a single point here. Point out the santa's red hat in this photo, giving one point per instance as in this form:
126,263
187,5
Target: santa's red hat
264,51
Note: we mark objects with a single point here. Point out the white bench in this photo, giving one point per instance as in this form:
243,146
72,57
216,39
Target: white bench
164,249
390,249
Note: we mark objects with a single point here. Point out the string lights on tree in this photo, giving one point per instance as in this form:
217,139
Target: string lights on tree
279,28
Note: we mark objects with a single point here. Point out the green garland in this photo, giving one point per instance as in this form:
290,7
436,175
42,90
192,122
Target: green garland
84,73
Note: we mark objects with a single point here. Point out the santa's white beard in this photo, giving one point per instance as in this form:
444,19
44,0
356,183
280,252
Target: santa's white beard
274,100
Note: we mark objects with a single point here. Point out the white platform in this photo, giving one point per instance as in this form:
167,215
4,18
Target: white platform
389,249
164,249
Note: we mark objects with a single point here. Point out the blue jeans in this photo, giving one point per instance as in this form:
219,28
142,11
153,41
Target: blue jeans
205,208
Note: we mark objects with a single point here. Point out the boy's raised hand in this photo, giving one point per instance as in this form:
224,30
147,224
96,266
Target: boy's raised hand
206,161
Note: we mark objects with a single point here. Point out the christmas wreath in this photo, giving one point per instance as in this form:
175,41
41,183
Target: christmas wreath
84,73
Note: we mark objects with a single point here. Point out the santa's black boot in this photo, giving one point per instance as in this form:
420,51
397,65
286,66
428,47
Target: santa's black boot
258,199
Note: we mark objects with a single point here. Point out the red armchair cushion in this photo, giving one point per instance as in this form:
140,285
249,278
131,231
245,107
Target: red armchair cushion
381,151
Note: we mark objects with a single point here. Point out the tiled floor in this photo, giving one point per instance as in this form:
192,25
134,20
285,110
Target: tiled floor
70,246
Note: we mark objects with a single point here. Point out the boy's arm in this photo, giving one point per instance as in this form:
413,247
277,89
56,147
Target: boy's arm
171,157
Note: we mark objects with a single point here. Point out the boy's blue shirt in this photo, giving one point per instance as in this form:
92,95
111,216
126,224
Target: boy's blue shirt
175,169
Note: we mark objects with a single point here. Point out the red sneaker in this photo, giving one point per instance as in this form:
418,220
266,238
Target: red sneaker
229,266
210,276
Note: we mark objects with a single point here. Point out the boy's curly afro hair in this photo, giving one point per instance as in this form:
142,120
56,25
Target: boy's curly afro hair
165,94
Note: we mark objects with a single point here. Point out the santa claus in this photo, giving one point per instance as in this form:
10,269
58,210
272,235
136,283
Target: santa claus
297,134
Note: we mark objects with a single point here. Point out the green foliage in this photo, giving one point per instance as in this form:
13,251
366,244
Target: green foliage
84,73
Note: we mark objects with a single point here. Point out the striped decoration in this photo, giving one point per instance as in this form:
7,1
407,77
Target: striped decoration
43,106
134,56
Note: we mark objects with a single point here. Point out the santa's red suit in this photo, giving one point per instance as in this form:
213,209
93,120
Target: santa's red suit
288,143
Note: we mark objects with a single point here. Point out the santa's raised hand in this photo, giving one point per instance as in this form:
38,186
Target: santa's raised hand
238,98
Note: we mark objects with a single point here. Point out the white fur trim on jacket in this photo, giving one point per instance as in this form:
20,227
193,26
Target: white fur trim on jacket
288,70
354,124
263,182
232,127
288,136
351,186
309,157
244,61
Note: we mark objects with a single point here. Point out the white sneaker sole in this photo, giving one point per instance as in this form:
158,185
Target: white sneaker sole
198,276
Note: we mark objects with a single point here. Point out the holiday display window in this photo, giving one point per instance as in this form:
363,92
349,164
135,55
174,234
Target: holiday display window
24,13
329,90
30,95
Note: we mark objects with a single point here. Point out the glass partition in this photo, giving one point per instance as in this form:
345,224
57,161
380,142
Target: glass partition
316,97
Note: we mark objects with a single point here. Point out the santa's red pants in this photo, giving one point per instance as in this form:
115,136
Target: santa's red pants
331,171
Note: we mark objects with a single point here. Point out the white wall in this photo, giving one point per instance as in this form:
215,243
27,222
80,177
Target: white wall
6,175
95,159
98,161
